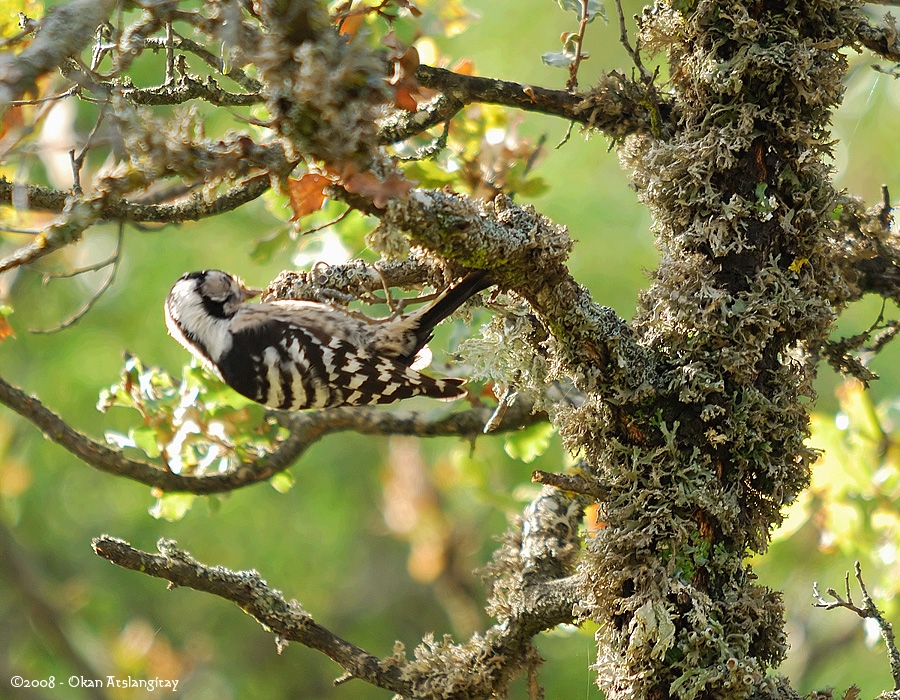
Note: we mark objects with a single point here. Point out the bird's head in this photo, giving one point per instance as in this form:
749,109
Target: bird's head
199,308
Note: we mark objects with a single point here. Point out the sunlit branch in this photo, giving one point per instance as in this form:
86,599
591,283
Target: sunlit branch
215,62
574,483
617,106
533,601
402,125
868,610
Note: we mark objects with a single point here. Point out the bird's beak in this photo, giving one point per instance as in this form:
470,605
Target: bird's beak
250,293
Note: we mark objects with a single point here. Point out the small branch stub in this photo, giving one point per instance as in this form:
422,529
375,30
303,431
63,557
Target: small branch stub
868,611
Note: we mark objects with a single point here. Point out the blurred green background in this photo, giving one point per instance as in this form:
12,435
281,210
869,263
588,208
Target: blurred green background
371,563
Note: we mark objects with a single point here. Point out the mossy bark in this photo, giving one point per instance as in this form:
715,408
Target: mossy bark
698,469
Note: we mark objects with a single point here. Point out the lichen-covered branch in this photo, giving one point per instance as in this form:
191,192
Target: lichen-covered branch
526,253
223,158
533,590
883,41
79,213
64,32
305,430
246,589
402,125
866,249
40,198
616,106
697,472
357,279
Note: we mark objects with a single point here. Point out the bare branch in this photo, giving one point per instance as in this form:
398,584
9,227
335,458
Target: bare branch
615,106
95,297
305,429
216,62
635,54
187,88
576,483
572,82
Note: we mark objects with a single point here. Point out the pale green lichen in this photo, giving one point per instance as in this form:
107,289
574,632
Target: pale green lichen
699,467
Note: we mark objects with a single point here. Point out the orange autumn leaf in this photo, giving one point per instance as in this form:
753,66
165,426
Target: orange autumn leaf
351,24
307,194
404,80
6,330
464,66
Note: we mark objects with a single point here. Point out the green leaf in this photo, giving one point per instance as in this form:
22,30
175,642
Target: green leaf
558,59
594,8
529,444
145,439
282,481
172,506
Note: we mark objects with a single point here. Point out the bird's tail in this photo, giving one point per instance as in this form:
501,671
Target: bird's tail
443,306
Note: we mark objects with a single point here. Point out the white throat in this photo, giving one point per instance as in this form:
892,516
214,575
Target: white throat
205,336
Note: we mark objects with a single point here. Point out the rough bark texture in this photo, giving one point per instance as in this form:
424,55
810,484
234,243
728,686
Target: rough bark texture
748,287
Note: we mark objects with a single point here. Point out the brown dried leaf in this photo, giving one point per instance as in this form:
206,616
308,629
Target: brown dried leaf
307,194
369,185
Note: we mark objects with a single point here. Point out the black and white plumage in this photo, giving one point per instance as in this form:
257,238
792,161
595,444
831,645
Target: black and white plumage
303,354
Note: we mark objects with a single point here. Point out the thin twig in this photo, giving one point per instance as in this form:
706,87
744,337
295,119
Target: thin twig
24,231
27,26
572,82
286,619
329,224
78,161
633,52
41,198
95,297
576,483
868,610
50,98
